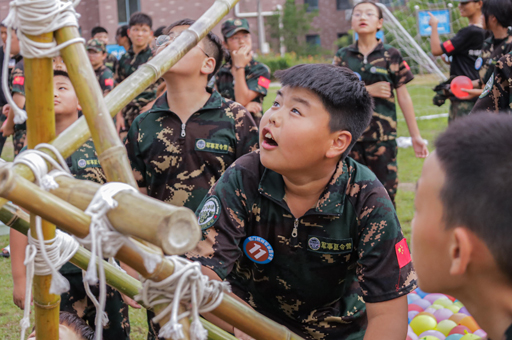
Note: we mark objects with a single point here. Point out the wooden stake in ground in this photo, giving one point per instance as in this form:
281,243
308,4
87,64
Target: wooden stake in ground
41,129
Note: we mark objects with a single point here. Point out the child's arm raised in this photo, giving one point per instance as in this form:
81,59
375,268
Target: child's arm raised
405,102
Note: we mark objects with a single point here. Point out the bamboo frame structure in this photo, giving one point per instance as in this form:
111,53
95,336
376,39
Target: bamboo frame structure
41,129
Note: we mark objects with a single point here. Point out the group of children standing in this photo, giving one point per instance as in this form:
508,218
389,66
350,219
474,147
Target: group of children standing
304,234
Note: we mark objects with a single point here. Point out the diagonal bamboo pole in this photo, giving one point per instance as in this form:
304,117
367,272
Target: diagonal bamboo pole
19,220
41,129
76,222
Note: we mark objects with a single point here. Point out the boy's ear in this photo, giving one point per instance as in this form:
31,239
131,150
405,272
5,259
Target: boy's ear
78,107
208,66
340,143
460,251
381,22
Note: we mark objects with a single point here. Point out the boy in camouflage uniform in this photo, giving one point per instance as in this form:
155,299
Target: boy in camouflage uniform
305,235
139,53
191,135
84,165
242,78
101,34
382,70
97,53
461,228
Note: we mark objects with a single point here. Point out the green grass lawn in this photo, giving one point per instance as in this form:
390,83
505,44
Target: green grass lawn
409,172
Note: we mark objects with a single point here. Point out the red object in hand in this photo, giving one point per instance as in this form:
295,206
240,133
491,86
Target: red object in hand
459,83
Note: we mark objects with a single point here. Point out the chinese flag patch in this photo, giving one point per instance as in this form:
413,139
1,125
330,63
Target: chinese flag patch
407,66
109,82
402,253
264,82
448,46
18,81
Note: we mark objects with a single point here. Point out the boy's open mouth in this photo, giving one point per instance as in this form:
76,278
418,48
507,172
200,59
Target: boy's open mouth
269,139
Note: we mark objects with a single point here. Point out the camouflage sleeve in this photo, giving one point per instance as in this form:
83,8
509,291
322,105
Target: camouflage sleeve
107,81
134,155
399,70
258,79
247,136
337,58
17,81
118,73
497,96
222,215
385,270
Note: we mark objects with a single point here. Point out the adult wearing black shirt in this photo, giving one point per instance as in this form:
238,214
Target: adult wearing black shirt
464,48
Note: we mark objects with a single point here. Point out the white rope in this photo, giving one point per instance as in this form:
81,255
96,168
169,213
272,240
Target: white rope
186,285
36,17
104,241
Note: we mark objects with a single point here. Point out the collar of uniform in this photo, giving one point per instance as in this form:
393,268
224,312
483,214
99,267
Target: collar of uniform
214,102
130,50
330,202
355,47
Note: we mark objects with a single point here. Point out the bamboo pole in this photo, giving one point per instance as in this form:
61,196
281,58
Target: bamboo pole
17,219
174,229
41,129
75,221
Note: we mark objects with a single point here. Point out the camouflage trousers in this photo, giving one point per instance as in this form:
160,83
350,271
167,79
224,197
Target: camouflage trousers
379,157
18,140
76,301
459,109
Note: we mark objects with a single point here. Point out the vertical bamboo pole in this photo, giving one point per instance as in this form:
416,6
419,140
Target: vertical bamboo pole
111,152
41,129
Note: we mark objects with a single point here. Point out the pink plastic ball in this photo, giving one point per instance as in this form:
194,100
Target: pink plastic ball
433,297
422,303
460,330
481,333
442,314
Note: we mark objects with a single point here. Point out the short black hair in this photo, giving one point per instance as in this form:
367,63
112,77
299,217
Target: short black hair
212,43
139,18
61,73
343,95
501,9
159,31
379,11
96,30
122,31
77,324
475,154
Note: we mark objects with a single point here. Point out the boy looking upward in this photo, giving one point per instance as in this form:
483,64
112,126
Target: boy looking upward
461,234
97,53
139,53
242,78
101,34
305,235
191,135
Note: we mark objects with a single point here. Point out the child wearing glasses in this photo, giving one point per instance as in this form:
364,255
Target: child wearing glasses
382,70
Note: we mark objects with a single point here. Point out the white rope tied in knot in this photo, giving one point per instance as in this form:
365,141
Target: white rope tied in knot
36,17
104,241
45,257
186,285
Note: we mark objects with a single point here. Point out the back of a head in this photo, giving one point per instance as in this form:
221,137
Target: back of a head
501,9
98,29
475,154
343,95
122,31
212,43
139,18
77,324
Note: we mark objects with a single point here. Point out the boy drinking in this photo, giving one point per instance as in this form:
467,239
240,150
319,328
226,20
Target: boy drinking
305,235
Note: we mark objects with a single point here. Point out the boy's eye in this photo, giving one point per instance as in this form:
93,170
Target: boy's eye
296,111
276,104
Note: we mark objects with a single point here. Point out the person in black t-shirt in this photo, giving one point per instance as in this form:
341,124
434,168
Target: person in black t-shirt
464,48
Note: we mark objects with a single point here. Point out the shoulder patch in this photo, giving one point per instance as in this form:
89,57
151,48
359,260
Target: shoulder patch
210,213
18,81
478,63
109,82
488,86
264,82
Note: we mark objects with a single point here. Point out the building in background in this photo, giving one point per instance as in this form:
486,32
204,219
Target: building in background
332,22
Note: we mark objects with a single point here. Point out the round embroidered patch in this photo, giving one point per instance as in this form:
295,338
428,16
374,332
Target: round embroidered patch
200,144
373,69
478,63
258,250
210,213
314,243
82,163
358,76
488,86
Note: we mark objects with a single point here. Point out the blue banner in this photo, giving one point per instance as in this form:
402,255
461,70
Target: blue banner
442,15
116,50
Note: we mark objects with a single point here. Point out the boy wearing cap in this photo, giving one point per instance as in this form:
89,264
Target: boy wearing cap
97,53
242,78
464,49
101,34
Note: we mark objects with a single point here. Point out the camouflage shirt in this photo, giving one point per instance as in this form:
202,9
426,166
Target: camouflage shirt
179,162
492,51
312,274
105,78
257,77
384,63
128,64
17,85
497,95
111,62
